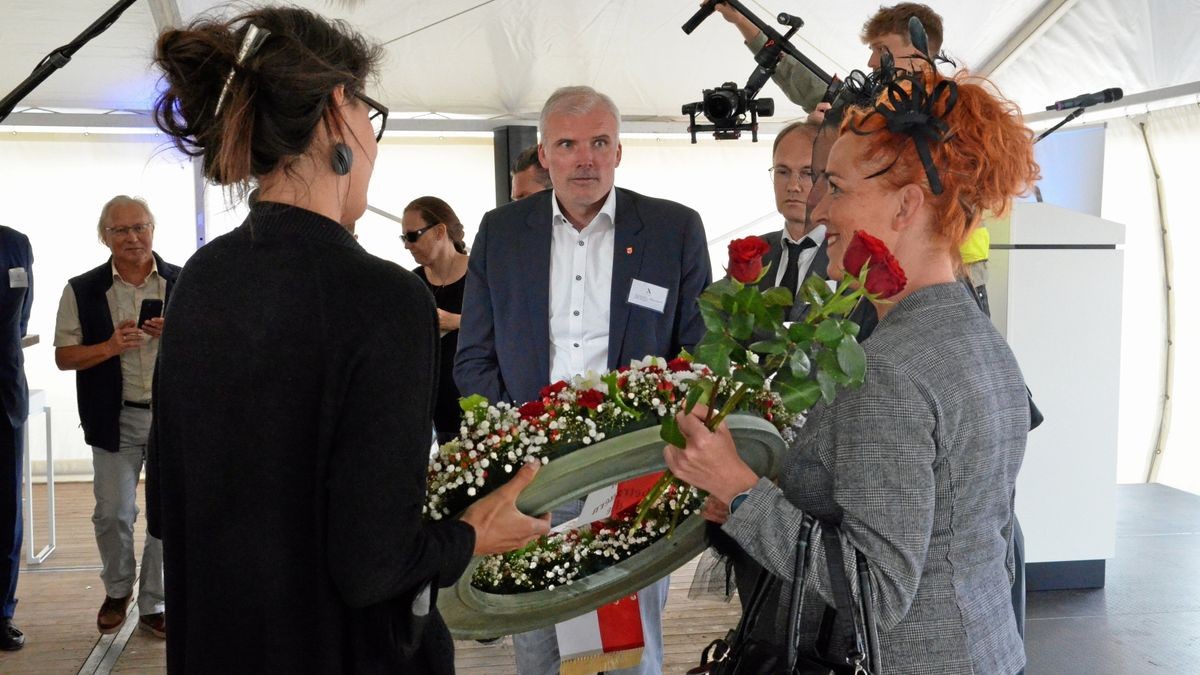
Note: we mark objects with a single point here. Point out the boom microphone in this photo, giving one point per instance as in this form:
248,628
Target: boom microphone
1087,100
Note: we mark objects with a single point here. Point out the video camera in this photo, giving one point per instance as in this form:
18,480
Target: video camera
726,107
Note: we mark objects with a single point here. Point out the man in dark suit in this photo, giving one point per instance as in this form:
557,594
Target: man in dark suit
582,277
798,250
16,257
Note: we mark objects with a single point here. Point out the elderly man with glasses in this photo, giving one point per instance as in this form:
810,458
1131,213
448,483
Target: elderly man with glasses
109,323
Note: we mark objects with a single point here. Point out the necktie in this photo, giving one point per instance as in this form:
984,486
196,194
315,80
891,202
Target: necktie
791,273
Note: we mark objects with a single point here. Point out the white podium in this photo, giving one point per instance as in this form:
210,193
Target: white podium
1055,288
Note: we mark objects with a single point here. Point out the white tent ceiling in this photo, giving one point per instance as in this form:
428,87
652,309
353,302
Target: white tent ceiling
501,58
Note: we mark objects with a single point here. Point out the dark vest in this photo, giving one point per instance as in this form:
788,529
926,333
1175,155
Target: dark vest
98,389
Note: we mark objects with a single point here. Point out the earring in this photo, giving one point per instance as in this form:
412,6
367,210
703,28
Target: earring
342,159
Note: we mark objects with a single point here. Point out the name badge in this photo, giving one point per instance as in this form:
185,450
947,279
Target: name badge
18,277
653,298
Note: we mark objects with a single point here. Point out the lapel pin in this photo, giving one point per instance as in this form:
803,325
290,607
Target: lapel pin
628,250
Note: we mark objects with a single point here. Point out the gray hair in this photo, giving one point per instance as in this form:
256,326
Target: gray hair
120,200
577,100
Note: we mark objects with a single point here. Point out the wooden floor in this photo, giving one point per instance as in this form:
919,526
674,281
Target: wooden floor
58,601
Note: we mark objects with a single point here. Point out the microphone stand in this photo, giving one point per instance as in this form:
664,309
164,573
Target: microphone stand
60,57
1074,114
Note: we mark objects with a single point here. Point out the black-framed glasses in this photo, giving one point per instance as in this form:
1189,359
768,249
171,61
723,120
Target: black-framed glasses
412,237
379,115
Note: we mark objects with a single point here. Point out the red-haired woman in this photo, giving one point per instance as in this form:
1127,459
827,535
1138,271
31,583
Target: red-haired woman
918,464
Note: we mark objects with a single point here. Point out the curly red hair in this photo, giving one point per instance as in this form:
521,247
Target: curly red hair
986,161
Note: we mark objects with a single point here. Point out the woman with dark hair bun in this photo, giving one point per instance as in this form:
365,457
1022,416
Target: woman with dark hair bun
918,465
294,395
434,236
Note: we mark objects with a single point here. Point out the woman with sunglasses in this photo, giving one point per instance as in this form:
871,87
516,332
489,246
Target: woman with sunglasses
292,409
434,236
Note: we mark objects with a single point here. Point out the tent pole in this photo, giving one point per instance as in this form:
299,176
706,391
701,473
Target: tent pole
1027,34
1164,424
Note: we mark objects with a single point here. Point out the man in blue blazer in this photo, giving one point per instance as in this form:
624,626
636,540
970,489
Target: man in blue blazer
16,300
582,277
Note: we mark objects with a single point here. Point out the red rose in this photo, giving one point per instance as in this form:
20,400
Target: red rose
885,277
679,365
591,399
745,258
532,410
552,390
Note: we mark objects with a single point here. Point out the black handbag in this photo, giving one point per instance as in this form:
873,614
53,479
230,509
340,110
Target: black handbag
739,653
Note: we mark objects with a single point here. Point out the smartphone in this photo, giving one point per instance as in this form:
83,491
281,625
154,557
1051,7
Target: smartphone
151,309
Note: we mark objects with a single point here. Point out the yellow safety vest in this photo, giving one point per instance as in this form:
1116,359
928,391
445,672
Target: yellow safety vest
975,248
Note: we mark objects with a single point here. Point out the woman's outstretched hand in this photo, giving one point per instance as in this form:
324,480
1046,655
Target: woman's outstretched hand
499,526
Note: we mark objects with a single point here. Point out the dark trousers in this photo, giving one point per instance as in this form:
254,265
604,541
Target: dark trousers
12,452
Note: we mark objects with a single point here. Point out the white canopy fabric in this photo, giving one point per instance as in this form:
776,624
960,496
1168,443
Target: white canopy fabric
502,58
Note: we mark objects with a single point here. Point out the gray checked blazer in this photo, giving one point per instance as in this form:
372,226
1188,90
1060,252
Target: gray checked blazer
922,459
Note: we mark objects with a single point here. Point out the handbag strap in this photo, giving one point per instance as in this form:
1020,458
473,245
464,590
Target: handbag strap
847,619
796,604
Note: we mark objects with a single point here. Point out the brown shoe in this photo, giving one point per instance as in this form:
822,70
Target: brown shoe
112,614
155,623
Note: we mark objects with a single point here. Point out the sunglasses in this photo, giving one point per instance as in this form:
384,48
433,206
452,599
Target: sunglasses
379,115
412,237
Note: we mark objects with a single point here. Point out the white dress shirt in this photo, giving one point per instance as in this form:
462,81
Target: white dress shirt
581,264
806,256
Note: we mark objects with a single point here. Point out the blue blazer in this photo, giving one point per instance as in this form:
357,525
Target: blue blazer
15,304
504,338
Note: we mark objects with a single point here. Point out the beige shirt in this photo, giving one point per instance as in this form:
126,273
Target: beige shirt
124,304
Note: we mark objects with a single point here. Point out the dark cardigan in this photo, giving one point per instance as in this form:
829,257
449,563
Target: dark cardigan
292,432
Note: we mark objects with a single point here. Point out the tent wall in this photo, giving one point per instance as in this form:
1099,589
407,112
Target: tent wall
54,185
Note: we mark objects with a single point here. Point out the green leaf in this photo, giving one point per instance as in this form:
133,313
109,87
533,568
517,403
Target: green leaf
801,333
773,346
472,402
700,391
852,359
829,333
669,432
714,320
827,385
841,305
777,297
800,364
722,287
714,355
827,362
798,396
741,326
750,376
614,393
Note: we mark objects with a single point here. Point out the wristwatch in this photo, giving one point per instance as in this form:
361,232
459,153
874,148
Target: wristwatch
738,499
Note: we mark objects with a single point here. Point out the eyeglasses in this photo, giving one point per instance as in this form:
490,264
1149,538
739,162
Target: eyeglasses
412,237
783,175
135,230
379,115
